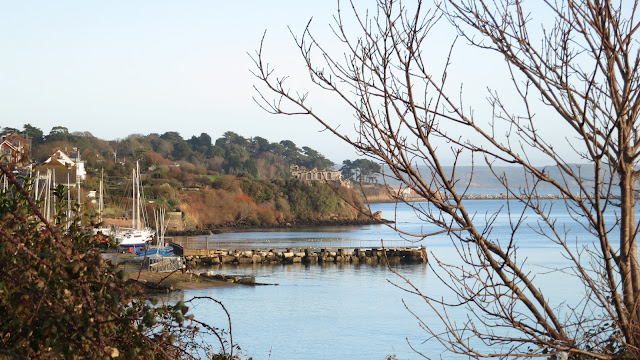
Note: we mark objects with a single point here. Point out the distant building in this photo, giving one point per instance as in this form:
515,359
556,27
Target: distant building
14,149
66,169
318,175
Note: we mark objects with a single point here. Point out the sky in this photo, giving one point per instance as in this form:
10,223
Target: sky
149,66
123,67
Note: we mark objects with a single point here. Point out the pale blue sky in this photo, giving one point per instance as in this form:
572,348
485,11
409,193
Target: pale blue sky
121,67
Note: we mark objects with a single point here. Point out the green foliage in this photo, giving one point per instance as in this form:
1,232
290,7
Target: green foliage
33,133
58,133
307,200
171,165
231,154
364,170
60,301
303,200
254,202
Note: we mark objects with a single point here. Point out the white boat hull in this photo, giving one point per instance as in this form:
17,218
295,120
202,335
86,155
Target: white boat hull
134,238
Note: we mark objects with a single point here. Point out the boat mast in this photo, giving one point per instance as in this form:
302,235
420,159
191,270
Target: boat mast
100,200
47,200
139,225
36,185
69,201
52,200
133,208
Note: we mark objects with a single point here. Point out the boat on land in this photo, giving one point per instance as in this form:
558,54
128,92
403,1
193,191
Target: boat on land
134,238
153,251
159,249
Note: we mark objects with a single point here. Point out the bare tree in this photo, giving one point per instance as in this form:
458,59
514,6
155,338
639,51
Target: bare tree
580,65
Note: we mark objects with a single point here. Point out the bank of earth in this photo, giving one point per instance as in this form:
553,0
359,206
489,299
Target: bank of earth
162,281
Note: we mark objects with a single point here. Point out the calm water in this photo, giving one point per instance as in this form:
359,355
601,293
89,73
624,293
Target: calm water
354,311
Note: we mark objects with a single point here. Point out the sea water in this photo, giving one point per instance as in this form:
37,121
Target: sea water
360,311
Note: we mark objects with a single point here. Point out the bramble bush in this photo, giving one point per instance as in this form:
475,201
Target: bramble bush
59,299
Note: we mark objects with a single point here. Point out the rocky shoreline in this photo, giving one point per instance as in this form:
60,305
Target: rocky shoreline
394,256
165,282
210,230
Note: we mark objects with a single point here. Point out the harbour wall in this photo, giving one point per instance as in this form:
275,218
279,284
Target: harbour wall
306,256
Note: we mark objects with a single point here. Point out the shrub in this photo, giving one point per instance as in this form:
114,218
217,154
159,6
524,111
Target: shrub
61,300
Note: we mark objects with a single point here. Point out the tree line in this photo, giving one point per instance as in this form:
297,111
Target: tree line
230,154
247,180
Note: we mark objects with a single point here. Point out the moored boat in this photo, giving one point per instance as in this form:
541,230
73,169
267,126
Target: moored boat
138,235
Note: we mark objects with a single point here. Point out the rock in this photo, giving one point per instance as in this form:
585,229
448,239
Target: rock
247,280
394,259
227,259
220,277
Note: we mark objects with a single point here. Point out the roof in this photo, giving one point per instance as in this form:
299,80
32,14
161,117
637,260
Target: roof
61,157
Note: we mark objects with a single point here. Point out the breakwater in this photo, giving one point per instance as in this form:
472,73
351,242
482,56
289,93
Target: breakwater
373,256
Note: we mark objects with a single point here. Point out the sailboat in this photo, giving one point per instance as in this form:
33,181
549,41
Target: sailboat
104,230
159,249
139,234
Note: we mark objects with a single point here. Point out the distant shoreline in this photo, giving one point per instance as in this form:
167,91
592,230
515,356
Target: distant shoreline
417,198
288,225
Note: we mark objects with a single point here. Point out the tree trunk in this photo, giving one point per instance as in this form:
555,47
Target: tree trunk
629,270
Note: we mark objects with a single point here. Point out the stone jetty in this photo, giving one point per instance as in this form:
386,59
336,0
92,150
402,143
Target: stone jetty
406,255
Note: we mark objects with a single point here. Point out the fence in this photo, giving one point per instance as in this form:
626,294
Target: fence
163,263
154,263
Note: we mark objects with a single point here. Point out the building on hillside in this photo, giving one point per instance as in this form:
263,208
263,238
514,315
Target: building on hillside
318,175
14,149
67,169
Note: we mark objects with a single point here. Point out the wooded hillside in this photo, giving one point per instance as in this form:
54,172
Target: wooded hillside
232,181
